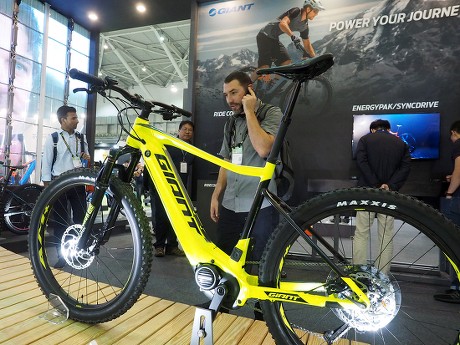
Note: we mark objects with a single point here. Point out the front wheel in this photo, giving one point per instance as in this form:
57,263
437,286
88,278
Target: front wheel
102,281
18,207
400,263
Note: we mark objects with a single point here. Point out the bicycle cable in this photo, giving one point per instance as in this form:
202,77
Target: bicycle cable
120,111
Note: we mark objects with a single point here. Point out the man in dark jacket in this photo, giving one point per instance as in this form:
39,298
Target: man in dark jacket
384,162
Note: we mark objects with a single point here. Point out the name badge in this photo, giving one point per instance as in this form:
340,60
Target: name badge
237,155
76,162
183,167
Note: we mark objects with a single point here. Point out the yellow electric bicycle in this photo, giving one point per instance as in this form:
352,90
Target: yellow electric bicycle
308,284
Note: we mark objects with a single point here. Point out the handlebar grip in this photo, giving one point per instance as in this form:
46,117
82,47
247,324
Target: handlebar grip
173,108
79,89
85,77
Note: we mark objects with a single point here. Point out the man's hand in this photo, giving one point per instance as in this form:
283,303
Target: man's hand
249,101
385,186
214,211
296,40
85,156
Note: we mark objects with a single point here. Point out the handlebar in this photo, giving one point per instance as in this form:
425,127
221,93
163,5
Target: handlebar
100,85
302,49
87,78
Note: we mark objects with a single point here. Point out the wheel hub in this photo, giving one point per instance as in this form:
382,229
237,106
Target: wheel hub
75,257
384,295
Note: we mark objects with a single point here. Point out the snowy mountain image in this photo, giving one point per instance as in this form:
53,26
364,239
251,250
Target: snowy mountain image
409,59
212,72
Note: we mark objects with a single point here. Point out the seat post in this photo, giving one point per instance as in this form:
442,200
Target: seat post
285,122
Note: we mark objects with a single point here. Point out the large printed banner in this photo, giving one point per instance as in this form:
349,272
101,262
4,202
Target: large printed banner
391,57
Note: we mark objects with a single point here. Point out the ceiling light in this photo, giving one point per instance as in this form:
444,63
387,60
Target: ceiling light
162,38
173,88
93,16
140,7
106,46
144,68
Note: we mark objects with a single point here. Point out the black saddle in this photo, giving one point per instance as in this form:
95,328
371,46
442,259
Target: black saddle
303,70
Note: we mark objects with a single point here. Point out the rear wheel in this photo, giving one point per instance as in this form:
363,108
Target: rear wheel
18,207
400,288
314,98
101,282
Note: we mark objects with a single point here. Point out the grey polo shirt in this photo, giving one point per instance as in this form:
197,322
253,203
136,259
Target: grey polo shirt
240,190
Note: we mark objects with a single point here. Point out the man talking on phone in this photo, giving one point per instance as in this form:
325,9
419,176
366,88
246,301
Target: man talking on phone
247,141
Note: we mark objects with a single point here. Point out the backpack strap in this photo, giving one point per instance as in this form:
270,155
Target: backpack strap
229,130
263,110
81,136
54,135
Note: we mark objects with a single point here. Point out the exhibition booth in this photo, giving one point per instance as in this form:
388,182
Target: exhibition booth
391,60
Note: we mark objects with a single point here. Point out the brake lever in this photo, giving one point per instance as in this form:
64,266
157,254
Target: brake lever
166,114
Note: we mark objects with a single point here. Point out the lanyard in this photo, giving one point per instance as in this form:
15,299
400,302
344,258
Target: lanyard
233,136
68,147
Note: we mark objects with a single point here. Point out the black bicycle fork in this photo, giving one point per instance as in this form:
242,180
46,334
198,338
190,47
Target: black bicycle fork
101,186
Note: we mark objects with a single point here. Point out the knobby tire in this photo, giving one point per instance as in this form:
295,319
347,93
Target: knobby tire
105,283
421,236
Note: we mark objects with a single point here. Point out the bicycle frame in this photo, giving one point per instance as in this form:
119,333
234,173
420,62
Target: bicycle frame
12,170
30,169
195,242
189,229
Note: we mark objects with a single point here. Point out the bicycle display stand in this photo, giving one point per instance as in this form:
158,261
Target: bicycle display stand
57,311
202,327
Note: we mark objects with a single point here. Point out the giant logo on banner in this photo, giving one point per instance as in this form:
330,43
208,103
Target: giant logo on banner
226,10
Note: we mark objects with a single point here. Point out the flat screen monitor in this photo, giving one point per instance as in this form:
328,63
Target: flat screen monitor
421,132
